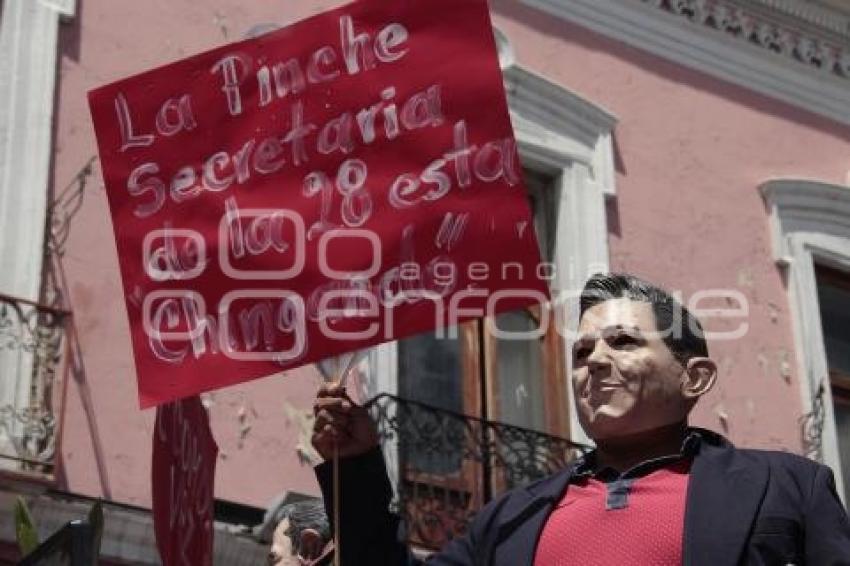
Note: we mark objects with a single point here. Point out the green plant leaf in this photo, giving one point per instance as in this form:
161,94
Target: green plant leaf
25,529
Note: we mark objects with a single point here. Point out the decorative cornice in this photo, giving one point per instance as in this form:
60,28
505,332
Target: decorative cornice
554,124
811,13
557,107
804,206
720,38
827,51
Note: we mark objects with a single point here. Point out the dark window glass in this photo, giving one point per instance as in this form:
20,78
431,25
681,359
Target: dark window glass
429,371
834,299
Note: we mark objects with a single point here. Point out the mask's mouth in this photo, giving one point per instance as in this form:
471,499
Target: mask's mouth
601,385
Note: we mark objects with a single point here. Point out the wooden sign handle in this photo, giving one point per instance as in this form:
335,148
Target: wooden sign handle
340,382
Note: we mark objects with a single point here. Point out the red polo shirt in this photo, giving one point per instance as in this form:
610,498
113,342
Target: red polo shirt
633,518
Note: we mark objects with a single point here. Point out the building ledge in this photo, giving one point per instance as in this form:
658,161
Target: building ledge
750,44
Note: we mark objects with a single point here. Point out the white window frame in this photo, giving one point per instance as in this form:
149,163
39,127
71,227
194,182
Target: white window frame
810,224
29,33
565,136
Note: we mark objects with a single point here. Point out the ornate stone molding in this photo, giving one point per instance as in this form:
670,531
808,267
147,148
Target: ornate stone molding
573,128
807,208
746,43
827,51
811,13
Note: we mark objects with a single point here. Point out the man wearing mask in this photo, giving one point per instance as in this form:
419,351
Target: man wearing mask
654,491
302,536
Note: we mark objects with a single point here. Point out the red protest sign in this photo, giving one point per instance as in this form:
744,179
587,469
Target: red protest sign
348,180
183,473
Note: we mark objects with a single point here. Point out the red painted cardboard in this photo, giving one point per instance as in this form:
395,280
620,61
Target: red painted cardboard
183,472
348,180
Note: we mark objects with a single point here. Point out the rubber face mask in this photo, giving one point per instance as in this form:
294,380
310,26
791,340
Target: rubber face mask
625,378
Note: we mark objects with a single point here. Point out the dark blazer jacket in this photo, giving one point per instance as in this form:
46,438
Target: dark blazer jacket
748,507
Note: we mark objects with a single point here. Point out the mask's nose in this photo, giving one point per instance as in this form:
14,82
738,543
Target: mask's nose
599,362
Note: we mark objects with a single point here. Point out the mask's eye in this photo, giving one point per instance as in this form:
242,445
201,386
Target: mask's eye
581,354
621,340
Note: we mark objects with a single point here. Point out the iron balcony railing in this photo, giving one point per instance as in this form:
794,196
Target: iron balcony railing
32,345
447,465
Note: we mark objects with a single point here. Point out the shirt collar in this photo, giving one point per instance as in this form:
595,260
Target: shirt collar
586,466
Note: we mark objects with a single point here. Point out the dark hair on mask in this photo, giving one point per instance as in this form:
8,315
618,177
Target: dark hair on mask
303,515
680,330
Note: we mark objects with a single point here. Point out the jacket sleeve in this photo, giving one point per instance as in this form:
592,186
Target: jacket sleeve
827,526
369,532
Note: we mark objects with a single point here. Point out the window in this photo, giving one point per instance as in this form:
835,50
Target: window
810,231
521,383
834,299
565,142
430,371
515,382
518,382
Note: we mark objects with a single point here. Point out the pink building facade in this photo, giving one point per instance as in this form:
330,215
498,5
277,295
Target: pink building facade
701,145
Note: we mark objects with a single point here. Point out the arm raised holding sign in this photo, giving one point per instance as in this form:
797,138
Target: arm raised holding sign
341,421
369,532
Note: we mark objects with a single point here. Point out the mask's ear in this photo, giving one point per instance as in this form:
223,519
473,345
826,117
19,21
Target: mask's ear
698,378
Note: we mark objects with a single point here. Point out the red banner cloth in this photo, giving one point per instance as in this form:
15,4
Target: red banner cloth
183,473
348,180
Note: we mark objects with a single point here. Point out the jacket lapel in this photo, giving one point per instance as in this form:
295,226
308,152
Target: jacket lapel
515,540
724,493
